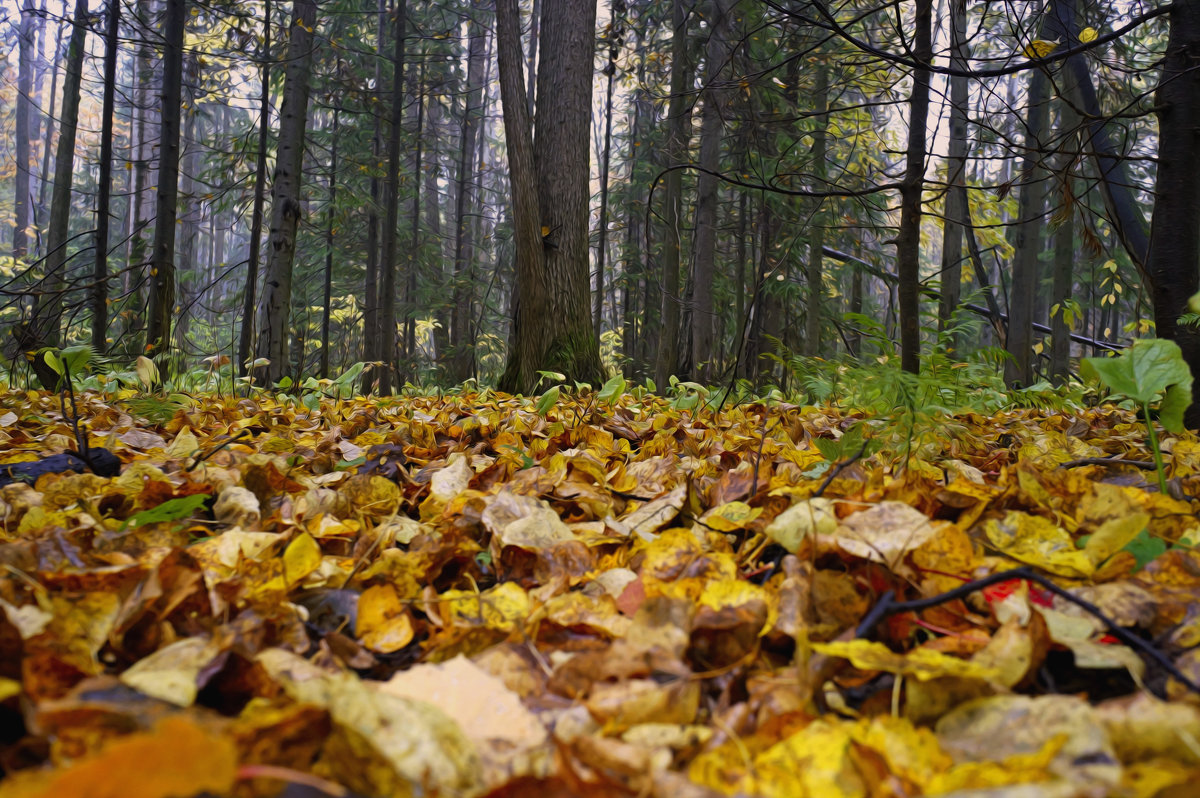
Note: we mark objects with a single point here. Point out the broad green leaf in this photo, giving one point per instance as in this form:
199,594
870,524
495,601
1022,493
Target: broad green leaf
1144,548
170,510
53,362
76,358
1142,372
1170,410
548,400
612,389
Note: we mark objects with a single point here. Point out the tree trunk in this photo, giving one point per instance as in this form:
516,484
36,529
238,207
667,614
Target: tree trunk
529,292
249,297
531,65
814,267
610,70
371,349
104,189
552,326
388,265
51,115
908,239
274,313
956,174
162,268
462,363
142,199
22,133
678,125
1173,263
328,295
47,312
1018,369
1120,200
411,366
705,244
1064,266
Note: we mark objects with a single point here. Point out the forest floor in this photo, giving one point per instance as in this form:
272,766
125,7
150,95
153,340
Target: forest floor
477,594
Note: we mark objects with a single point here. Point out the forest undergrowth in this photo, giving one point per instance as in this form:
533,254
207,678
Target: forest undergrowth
874,584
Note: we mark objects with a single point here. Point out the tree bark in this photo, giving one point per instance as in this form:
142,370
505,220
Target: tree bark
51,115
551,326
389,265
529,291
1018,369
371,348
908,239
814,268
678,124
610,71
22,132
328,293
162,265
275,308
249,297
705,244
462,362
1064,265
43,330
1173,262
956,173
104,189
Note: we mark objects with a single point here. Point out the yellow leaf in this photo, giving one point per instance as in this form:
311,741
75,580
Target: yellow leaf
1037,541
1039,48
384,624
301,558
730,516
1087,35
921,663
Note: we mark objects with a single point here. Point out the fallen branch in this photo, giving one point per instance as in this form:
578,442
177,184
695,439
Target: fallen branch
888,606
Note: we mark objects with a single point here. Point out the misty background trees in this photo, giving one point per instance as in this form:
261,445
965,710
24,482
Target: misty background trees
699,189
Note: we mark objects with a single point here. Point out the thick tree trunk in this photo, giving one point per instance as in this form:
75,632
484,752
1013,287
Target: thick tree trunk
47,312
908,239
529,293
552,326
678,125
162,267
462,362
1173,263
1018,369
716,55
389,262
249,297
275,308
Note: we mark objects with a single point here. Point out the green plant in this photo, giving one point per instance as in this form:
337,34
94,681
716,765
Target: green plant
1150,370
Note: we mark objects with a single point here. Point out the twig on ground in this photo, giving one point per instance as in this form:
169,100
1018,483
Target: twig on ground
887,606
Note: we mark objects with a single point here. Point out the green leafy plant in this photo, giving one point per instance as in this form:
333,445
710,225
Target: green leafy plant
1150,370
170,510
